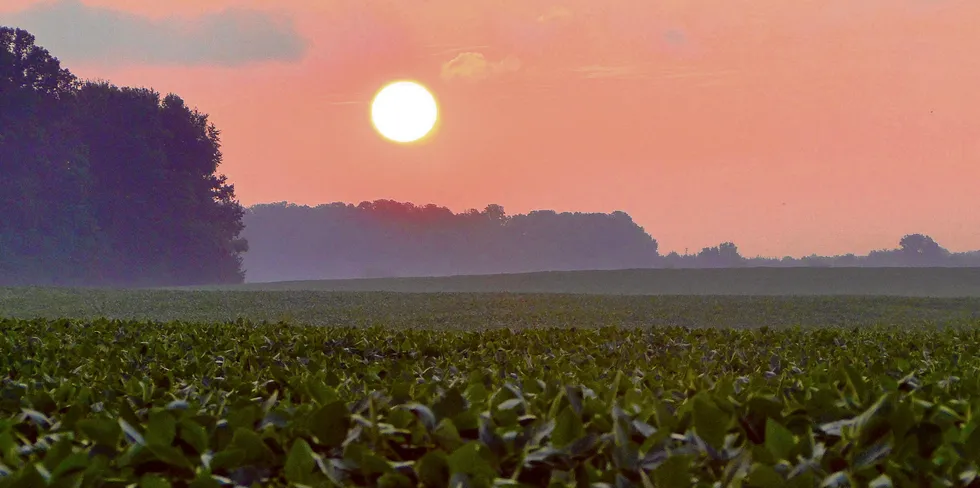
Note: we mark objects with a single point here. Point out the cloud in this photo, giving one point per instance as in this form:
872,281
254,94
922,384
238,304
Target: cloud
555,14
76,32
623,72
473,66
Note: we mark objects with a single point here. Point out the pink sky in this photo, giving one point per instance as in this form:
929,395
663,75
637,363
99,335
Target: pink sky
811,126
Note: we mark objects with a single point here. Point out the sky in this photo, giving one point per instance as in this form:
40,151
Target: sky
787,127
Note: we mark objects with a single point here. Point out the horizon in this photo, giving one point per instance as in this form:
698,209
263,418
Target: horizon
687,252
870,103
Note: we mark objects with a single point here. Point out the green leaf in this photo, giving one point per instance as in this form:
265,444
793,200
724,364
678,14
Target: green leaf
228,459
710,422
394,480
161,429
568,428
971,446
195,435
300,462
370,462
204,480
251,443
447,436
72,464
450,404
673,473
153,481
170,455
472,459
133,434
330,423
433,469
779,440
839,479
764,476
103,431
882,481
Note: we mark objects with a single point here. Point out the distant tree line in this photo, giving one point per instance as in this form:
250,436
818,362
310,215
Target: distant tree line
913,250
385,238
101,185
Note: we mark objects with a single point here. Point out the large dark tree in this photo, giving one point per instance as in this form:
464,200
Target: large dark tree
46,230
107,185
168,217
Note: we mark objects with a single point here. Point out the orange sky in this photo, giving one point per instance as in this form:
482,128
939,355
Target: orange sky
788,127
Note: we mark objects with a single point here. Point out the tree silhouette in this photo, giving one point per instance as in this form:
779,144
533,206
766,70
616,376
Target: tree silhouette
921,250
46,227
107,185
386,238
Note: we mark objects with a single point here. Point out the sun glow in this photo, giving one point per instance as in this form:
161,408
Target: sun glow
404,111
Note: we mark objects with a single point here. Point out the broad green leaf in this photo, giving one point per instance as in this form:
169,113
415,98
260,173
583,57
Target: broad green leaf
568,428
764,476
153,481
251,443
472,459
433,469
673,473
161,428
330,422
779,440
300,462
710,422
102,431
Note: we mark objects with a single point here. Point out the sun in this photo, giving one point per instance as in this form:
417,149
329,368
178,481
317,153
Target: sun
404,111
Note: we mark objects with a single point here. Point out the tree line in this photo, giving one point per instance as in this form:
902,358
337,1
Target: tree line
103,185
914,250
386,238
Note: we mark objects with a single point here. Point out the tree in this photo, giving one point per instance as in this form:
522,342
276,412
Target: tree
103,185
921,250
46,231
167,215
724,255
26,66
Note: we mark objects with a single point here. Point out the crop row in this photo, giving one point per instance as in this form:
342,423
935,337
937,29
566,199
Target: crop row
112,403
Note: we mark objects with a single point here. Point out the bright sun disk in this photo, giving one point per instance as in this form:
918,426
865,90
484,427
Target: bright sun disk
404,111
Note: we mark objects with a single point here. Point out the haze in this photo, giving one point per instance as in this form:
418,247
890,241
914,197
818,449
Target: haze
790,128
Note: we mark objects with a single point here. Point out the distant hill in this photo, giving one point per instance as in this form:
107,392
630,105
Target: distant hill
911,282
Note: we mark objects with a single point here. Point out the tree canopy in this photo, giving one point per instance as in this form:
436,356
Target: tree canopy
102,185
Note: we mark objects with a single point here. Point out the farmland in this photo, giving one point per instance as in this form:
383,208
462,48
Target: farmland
750,281
375,388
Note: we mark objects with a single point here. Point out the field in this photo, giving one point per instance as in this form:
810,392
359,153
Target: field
922,282
376,388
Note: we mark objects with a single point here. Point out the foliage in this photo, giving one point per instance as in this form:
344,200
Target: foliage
101,185
111,403
388,238
473,311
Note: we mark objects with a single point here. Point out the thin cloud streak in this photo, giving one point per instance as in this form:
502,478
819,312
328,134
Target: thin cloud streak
229,38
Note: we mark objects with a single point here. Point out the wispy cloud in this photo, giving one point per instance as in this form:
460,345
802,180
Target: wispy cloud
595,71
555,13
443,50
232,37
474,66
